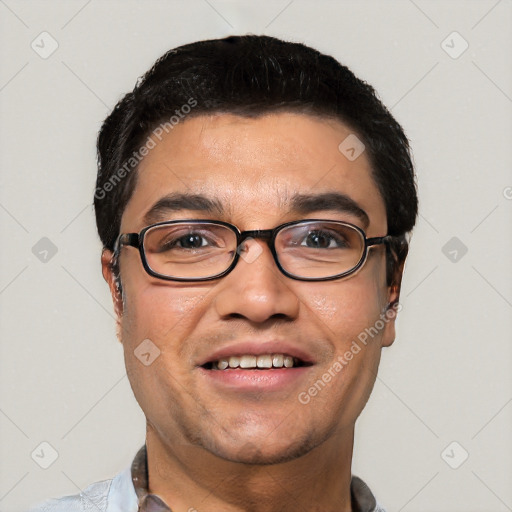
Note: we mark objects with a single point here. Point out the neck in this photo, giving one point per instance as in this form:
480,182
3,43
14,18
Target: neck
189,478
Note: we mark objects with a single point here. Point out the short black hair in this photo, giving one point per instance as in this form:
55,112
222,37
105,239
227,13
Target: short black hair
251,76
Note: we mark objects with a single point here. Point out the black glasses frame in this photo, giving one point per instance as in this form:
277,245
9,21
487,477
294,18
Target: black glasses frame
269,235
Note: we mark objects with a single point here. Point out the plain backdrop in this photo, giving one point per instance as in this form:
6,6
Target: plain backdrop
444,389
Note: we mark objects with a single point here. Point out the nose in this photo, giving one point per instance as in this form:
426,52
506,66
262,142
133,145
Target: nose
255,289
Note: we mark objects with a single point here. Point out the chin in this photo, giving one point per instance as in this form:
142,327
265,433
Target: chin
263,452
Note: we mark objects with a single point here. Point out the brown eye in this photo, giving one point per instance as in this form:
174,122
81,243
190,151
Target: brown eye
191,241
324,240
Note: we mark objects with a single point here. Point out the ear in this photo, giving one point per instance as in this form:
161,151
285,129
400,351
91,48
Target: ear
107,269
393,306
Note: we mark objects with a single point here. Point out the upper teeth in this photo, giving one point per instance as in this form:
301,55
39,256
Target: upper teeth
251,361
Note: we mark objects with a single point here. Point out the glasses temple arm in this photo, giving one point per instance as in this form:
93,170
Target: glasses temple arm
379,240
131,239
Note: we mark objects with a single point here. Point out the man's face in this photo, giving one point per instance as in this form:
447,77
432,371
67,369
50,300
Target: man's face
253,169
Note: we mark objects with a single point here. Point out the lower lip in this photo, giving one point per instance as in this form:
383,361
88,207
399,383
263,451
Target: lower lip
256,380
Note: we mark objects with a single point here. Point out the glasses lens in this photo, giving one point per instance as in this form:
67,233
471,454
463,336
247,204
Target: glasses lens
189,250
313,250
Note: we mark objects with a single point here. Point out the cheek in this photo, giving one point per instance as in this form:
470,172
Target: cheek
347,307
345,311
165,315
161,311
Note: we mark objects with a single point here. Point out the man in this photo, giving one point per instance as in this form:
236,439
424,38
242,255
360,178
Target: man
253,199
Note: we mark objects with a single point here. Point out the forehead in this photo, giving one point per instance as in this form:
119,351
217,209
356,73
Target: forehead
253,167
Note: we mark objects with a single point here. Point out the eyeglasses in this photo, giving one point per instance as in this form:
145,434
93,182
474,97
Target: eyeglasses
202,250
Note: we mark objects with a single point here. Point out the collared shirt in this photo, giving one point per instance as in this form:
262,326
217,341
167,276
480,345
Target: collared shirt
129,492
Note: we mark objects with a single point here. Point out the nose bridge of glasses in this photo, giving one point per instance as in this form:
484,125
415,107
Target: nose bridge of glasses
263,234
249,253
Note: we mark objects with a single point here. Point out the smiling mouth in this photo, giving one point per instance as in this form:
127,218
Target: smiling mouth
253,362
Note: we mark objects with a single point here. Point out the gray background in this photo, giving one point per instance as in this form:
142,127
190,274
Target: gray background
447,377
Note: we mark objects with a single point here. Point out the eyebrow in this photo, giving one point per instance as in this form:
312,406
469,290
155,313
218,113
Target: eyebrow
300,203
181,201
304,204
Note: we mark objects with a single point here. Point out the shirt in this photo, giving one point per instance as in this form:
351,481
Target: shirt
128,492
